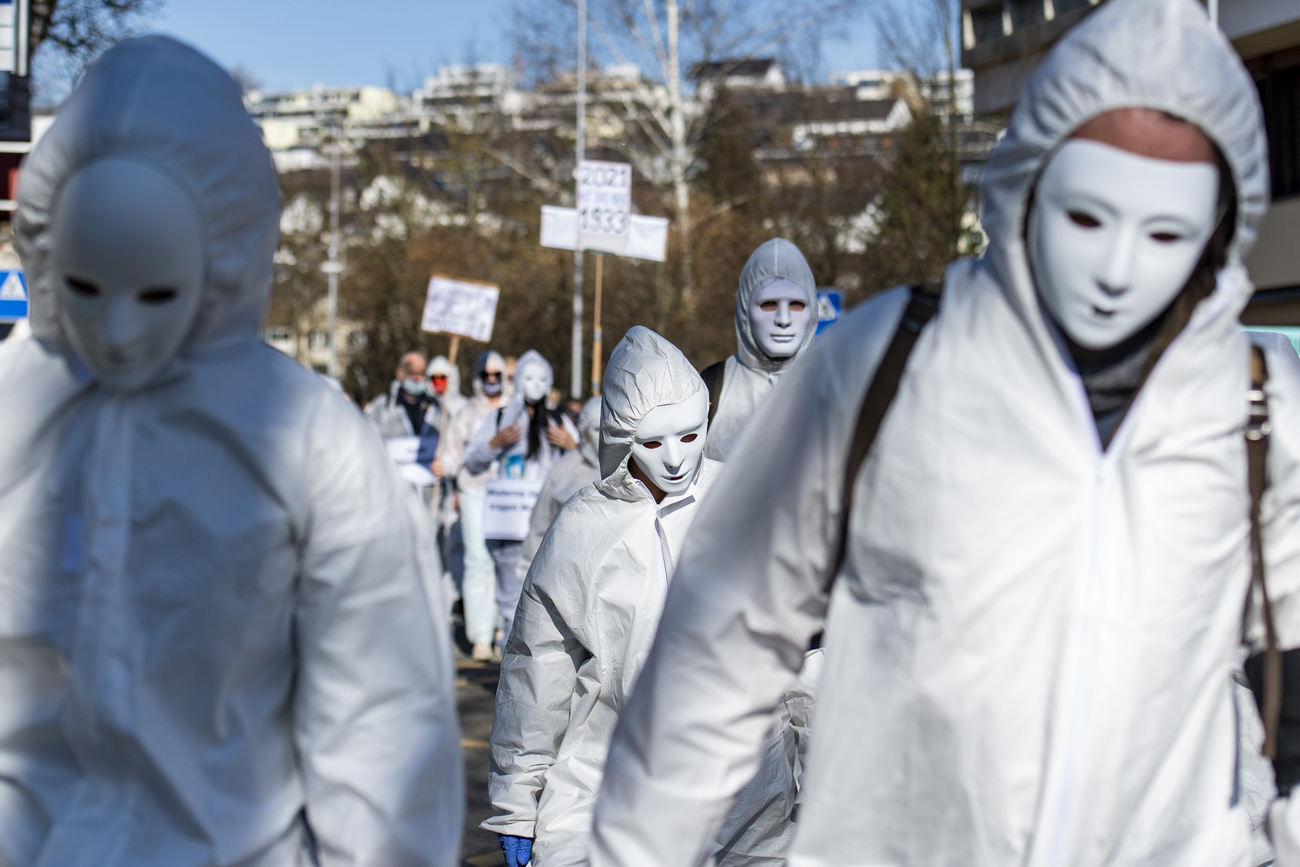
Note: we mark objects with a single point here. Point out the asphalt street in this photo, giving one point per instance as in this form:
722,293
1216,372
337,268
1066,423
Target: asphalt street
476,687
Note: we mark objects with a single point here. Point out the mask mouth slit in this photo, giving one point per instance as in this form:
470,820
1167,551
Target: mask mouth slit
1104,314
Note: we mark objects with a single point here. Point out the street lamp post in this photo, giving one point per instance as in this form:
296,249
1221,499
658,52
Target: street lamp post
575,379
332,267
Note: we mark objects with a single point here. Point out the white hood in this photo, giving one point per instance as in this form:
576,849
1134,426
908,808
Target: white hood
645,371
138,102
777,258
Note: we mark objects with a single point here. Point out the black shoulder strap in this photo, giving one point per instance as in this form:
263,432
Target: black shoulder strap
713,376
1257,431
921,308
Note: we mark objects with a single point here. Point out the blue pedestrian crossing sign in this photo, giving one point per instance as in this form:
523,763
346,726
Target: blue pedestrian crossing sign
13,296
830,304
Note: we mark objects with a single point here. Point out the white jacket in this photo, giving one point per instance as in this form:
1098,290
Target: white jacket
213,628
586,620
749,375
1031,642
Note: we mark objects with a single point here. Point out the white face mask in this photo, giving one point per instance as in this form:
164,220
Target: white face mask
779,317
1114,237
535,383
128,263
669,443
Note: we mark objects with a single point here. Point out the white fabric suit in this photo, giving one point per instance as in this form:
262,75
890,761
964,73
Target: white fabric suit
212,618
587,618
750,374
1031,641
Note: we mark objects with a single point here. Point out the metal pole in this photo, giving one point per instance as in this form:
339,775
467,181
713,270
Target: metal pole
597,336
1214,12
333,268
575,380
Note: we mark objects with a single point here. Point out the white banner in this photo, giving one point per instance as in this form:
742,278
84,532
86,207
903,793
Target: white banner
604,205
461,307
647,237
508,506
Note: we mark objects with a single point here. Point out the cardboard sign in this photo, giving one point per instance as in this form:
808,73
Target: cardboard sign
460,307
604,204
508,507
402,450
647,237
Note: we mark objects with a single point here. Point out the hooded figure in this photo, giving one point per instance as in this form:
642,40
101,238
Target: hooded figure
588,614
777,274
215,645
521,440
572,473
1031,636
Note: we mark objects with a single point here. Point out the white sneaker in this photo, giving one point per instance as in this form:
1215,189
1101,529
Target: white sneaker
483,651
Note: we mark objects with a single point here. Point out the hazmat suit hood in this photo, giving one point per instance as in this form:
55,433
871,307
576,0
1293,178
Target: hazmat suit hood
1128,54
531,358
138,102
589,431
774,259
645,371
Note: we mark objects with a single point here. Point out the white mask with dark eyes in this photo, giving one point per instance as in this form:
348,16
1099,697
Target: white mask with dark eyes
669,443
128,263
1113,237
535,383
780,314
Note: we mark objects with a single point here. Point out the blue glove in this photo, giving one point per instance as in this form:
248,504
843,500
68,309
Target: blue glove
518,850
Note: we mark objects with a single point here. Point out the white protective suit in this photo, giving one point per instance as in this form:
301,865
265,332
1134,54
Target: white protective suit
1032,640
571,473
750,374
214,639
588,616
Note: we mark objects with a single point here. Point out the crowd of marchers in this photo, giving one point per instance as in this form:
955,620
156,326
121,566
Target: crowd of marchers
999,571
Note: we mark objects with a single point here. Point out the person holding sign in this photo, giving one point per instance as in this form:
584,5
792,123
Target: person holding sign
216,644
519,444
592,600
776,319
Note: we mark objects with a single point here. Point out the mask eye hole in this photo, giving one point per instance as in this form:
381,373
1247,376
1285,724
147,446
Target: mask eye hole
690,438
157,295
1087,221
768,306
1165,237
653,444
797,306
82,287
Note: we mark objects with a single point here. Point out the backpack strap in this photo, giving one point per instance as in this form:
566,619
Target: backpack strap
1257,432
922,305
713,376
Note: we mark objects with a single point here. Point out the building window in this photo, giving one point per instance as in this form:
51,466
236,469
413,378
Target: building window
986,23
1278,80
1025,13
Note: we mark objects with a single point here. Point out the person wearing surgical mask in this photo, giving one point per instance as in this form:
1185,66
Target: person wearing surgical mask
1036,585
592,600
400,412
478,578
522,440
776,319
218,595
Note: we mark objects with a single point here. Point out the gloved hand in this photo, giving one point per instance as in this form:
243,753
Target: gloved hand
518,850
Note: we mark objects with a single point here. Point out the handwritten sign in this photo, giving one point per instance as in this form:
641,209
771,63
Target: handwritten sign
460,307
604,202
508,507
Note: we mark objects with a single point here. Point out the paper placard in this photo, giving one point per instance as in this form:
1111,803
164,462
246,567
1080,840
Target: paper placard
508,505
604,204
647,237
460,307
402,450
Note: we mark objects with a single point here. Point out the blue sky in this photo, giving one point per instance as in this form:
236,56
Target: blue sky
296,43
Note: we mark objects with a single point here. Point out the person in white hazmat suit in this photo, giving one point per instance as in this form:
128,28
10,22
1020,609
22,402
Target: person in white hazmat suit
521,440
776,319
571,473
592,601
215,645
478,593
1033,629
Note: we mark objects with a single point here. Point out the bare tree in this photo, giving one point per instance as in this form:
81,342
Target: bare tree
670,41
67,35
